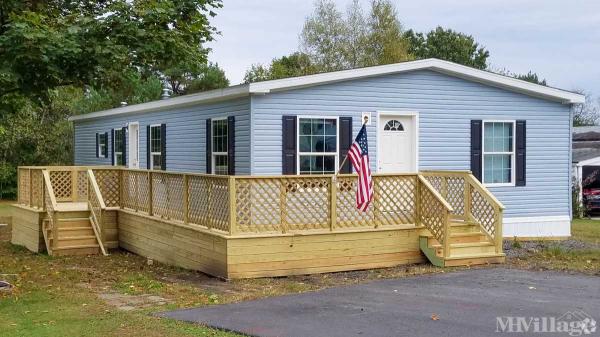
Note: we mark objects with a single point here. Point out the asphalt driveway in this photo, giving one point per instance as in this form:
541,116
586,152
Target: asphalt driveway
464,303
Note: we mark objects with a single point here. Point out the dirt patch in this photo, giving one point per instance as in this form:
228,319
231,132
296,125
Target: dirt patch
522,249
132,302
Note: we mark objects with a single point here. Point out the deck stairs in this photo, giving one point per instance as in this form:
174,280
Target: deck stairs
469,245
73,233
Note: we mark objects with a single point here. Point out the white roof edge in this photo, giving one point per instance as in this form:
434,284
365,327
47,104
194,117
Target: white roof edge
451,68
265,87
204,97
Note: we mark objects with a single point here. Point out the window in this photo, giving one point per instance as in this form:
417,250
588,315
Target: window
393,125
219,146
119,147
498,152
317,145
102,145
155,147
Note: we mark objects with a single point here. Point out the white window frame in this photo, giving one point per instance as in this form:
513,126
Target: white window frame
214,154
115,152
512,154
150,149
337,141
102,146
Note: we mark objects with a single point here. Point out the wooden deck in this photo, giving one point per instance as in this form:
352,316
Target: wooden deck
242,226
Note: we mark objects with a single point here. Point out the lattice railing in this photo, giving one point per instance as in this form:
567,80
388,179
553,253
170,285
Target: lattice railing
434,213
470,200
109,183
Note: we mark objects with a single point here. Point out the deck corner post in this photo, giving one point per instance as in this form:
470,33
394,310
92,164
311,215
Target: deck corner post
150,194
332,203
467,197
232,206
74,194
121,188
186,199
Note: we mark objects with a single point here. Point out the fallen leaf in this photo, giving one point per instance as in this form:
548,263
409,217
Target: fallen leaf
434,317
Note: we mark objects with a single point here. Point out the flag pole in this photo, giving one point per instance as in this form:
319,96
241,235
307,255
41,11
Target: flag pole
365,120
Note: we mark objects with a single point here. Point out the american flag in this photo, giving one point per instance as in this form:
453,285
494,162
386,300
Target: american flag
359,157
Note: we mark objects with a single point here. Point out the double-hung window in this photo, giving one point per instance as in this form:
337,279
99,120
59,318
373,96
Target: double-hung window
317,145
102,145
498,153
119,146
219,146
155,147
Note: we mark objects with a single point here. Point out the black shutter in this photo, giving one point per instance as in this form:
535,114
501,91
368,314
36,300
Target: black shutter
476,148
163,146
231,145
106,144
97,145
124,145
112,147
521,131
345,142
148,146
208,146
289,145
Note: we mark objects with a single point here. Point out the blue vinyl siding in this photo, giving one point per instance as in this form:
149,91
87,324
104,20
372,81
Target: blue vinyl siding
445,105
186,135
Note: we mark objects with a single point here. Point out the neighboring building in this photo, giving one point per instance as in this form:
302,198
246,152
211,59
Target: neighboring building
513,135
586,156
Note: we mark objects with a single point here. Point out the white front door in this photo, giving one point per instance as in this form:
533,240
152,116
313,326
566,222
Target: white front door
397,145
134,143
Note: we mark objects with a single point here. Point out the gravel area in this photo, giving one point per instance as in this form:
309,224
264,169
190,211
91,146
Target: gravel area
519,249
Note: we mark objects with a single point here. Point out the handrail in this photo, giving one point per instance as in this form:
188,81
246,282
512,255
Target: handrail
484,191
50,211
437,195
49,187
95,201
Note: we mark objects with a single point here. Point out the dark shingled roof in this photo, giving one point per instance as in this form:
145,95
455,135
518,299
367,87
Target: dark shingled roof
586,153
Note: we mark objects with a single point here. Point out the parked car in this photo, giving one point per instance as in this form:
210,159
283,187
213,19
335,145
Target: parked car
591,200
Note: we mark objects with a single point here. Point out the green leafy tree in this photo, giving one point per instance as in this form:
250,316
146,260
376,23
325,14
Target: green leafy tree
447,44
211,77
587,113
531,77
296,64
385,42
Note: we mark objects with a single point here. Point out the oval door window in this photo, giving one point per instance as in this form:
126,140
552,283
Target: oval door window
393,125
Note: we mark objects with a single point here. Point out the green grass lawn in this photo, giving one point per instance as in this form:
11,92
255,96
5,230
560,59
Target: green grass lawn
586,230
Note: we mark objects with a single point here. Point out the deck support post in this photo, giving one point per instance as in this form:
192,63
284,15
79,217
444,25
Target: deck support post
232,207
30,203
467,199
150,197
332,203
417,200
186,199
121,189
446,234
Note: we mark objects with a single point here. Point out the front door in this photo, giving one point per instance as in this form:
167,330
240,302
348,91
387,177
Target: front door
134,143
397,144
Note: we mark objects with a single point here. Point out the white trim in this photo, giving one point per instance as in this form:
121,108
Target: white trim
129,127
513,153
416,127
537,226
588,162
213,162
114,149
446,67
101,135
337,141
150,144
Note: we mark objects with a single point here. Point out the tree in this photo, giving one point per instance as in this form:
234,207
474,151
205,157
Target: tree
296,64
385,43
588,113
449,45
211,77
531,77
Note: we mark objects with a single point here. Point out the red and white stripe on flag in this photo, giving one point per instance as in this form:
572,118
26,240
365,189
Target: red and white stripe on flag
359,157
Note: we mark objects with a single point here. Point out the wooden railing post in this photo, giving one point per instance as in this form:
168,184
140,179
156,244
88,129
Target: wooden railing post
498,237
74,184
30,203
283,205
232,207
332,203
121,188
150,197
186,199
417,201
467,198
446,234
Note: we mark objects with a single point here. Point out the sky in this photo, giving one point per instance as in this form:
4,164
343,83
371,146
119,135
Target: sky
558,39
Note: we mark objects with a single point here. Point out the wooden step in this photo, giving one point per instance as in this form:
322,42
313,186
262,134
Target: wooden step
75,231
466,248
466,237
83,240
73,214
77,250
463,227
474,259
74,222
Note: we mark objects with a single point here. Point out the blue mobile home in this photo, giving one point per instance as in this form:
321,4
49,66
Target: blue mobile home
430,114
